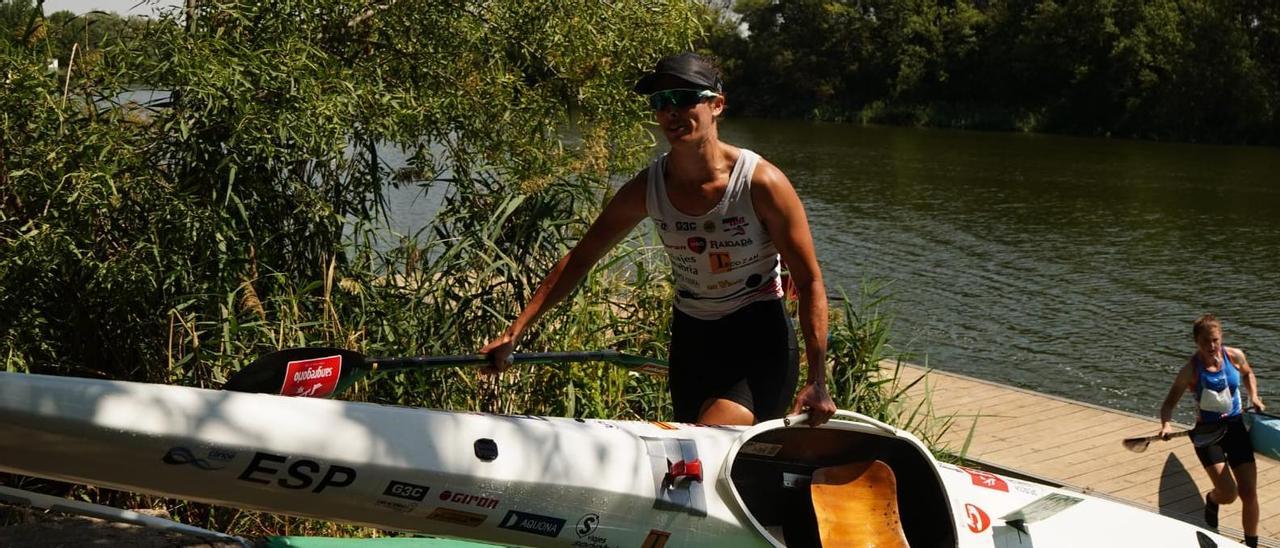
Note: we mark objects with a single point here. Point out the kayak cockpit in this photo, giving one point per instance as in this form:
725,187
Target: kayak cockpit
801,485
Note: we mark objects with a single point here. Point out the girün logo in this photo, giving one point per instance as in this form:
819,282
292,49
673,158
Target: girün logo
466,499
301,473
535,524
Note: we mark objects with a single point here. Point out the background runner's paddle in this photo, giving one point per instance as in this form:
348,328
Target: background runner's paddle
1201,435
319,372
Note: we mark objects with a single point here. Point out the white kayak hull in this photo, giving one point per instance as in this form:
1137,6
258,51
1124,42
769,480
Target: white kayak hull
529,481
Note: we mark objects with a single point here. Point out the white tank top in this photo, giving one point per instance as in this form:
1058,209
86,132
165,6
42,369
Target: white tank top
723,259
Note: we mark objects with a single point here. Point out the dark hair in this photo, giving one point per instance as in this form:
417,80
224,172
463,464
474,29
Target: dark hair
1203,324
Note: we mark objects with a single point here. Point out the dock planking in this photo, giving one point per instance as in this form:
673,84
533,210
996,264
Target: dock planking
1077,445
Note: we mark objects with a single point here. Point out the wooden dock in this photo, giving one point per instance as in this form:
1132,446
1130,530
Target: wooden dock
1077,445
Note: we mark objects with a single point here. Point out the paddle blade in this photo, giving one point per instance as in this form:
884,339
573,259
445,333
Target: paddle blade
1137,445
309,372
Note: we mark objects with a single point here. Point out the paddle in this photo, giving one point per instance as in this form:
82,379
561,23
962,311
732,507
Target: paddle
1201,435
319,372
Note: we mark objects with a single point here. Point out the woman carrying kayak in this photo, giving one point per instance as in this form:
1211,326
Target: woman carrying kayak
1215,374
727,219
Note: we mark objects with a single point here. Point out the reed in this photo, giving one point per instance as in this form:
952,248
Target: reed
246,214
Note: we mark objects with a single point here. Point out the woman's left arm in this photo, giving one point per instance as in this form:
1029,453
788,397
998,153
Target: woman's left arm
779,208
1250,380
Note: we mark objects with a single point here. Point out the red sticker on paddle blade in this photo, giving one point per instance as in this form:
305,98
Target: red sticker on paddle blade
313,378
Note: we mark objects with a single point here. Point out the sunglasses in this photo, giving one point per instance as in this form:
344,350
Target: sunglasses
679,98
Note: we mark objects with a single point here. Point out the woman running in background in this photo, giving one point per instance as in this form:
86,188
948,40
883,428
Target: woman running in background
1214,374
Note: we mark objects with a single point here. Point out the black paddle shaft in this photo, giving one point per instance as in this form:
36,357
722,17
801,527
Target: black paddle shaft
322,371
435,362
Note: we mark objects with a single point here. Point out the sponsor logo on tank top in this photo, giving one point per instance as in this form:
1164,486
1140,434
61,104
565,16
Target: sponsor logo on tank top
722,262
726,244
709,226
662,225
735,226
681,264
674,247
698,244
724,284
684,278
686,226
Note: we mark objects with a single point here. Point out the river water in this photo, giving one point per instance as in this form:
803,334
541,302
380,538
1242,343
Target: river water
1065,265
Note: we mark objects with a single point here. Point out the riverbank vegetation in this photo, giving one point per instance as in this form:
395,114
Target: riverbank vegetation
1188,70
175,241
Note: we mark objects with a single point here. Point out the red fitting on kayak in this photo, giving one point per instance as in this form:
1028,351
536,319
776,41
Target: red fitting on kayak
684,470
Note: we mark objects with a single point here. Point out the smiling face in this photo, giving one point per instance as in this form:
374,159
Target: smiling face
692,124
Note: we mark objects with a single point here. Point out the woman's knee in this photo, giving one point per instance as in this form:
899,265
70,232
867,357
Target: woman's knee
1226,495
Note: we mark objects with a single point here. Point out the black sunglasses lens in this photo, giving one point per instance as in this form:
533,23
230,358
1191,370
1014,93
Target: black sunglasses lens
678,98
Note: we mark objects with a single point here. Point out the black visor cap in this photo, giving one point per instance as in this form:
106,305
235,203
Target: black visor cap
686,66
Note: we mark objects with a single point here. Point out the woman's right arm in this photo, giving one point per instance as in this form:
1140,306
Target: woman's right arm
1181,383
620,215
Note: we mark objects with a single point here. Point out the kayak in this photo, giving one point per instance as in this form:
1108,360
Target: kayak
544,481
1264,432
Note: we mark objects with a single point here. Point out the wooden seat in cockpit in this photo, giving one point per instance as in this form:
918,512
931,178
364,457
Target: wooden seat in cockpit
857,505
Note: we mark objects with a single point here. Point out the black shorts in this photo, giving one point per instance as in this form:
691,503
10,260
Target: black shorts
1234,447
749,357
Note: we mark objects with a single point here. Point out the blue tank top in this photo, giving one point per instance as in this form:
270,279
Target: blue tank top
1217,393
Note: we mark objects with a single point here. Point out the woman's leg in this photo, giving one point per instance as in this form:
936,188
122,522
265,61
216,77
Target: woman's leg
1246,475
727,412
1224,485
